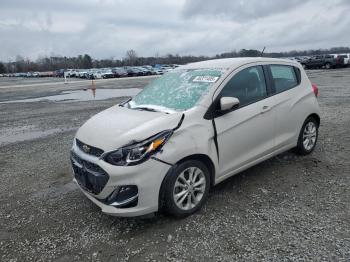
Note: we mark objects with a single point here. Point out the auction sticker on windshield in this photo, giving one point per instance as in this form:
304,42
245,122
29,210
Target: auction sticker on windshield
205,79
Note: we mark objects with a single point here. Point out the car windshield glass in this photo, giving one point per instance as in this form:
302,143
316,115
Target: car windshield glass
177,90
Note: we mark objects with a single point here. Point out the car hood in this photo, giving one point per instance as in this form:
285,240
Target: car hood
118,126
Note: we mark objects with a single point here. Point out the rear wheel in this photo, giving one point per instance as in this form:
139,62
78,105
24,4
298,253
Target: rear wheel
308,137
186,188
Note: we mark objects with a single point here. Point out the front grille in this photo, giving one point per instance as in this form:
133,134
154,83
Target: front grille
91,177
89,149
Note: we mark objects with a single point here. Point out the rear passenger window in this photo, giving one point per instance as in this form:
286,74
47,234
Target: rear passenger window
284,77
247,85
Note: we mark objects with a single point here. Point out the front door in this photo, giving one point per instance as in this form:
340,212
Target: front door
247,133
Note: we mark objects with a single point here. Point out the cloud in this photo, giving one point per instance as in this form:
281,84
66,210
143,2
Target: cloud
108,28
239,10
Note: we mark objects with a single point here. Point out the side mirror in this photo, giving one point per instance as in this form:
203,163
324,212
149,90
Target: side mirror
228,103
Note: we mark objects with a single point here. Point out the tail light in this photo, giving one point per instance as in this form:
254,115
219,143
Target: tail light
315,89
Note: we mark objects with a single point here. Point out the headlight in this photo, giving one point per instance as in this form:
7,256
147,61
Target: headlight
139,152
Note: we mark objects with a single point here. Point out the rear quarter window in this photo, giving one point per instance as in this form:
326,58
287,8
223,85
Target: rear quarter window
284,77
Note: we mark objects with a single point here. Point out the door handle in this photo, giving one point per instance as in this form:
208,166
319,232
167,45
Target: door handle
265,109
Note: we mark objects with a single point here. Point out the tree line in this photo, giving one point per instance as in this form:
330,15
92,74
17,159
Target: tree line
131,58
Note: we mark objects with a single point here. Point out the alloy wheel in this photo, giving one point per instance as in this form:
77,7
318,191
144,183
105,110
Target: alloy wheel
309,136
189,188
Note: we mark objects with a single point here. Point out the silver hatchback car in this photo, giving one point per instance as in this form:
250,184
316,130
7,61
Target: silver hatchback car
191,129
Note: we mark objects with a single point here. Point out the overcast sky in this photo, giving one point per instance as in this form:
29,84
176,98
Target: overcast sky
107,28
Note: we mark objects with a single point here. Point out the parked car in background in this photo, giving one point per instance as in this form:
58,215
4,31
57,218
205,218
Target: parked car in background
149,69
46,74
323,61
90,73
300,59
59,73
339,60
165,148
133,71
346,59
97,74
166,68
107,73
158,71
146,71
69,73
119,72
82,73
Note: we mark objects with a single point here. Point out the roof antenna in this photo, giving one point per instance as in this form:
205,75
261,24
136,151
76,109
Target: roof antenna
262,52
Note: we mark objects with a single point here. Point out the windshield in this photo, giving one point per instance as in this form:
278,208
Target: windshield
177,90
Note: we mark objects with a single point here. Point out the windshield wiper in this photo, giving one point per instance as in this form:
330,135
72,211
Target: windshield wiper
125,102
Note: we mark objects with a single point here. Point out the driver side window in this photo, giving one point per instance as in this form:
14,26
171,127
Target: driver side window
248,86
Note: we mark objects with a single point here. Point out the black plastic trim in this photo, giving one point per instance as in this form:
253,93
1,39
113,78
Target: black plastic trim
94,151
122,199
298,74
125,102
216,138
268,80
90,177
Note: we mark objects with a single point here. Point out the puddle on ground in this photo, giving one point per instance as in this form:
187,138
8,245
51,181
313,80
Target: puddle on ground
81,95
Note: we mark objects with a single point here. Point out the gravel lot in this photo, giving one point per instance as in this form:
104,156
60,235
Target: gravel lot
288,208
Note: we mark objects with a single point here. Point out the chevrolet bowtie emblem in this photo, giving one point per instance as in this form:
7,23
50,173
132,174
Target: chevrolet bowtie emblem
86,148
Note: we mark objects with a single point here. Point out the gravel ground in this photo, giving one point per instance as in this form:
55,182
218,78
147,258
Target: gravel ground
289,208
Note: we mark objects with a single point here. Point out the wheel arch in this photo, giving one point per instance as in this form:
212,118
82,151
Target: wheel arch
316,117
206,160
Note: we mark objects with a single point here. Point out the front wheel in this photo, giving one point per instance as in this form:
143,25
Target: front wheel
308,137
186,188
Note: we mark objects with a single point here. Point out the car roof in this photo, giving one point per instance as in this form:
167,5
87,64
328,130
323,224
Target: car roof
233,62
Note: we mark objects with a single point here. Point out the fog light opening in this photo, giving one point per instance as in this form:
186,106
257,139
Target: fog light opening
124,197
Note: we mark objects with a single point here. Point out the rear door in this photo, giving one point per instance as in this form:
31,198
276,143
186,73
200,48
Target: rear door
288,93
247,133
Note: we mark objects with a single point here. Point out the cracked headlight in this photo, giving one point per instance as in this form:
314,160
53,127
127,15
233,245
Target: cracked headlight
139,152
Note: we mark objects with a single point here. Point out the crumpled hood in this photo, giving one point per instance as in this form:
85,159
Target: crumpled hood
118,126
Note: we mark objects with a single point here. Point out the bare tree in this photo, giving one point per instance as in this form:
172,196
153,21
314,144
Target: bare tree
2,68
131,56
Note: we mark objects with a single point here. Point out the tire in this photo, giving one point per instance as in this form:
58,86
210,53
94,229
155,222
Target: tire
190,198
308,132
328,66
